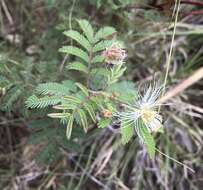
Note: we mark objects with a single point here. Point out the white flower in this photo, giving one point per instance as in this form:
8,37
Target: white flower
145,109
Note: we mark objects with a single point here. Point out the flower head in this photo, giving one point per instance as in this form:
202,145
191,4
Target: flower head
145,110
114,54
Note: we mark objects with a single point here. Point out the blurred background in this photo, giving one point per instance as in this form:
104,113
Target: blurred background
30,155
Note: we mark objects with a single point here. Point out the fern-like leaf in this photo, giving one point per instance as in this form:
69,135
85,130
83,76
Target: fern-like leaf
11,98
69,127
52,88
75,35
35,102
75,51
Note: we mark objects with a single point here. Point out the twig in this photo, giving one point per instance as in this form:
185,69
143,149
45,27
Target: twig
168,63
175,160
199,12
8,15
197,3
70,27
198,75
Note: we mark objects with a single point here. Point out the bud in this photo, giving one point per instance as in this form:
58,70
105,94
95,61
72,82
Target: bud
107,113
114,54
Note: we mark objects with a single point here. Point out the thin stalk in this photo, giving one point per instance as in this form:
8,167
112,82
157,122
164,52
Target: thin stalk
168,63
180,163
70,27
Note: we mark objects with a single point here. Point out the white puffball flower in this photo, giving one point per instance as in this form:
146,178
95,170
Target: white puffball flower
146,109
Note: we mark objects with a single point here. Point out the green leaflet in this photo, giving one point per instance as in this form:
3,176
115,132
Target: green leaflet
127,132
90,110
73,99
105,32
147,139
64,107
98,59
82,88
75,35
102,45
58,115
87,29
75,51
83,119
78,67
69,127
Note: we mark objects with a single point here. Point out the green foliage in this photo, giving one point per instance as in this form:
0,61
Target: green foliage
36,102
51,139
81,105
87,29
69,126
147,138
105,32
104,122
52,89
78,103
115,73
12,95
21,72
80,39
128,95
127,131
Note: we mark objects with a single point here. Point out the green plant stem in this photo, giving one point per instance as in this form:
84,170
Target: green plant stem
89,66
